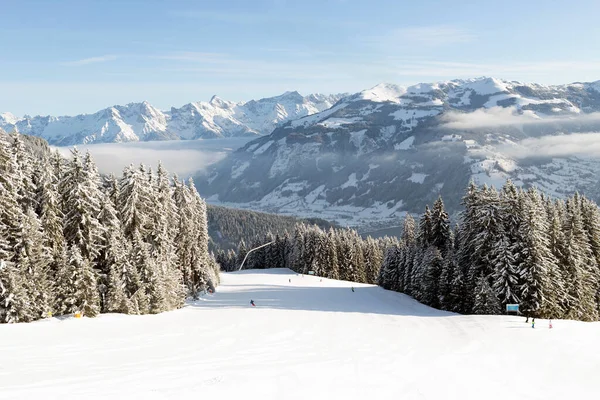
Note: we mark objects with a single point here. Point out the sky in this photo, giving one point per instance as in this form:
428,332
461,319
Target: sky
80,56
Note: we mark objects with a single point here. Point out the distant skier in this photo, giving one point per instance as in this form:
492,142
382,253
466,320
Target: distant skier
550,325
252,303
352,288
533,322
290,280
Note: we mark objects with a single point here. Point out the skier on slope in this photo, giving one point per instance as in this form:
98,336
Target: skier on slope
533,322
352,288
252,303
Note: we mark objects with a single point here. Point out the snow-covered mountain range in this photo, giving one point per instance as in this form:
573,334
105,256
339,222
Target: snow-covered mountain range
144,122
376,154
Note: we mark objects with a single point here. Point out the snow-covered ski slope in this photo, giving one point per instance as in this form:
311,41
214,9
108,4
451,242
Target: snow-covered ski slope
305,340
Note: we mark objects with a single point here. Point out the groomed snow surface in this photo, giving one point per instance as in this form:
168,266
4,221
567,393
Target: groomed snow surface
305,340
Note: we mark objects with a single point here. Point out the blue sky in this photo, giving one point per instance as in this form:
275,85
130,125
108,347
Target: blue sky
68,57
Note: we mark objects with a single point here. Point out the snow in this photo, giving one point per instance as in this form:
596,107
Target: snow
305,339
384,92
451,138
239,170
335,123
417,177
141,121
407,113
7,118
311,119
405,144
264,147
350,182
423,88
486,86
357,138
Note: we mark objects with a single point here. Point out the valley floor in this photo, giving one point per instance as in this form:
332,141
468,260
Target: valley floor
308,339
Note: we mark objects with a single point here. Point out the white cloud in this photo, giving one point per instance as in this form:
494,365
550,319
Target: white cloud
182,157
576,144
500,116
91,60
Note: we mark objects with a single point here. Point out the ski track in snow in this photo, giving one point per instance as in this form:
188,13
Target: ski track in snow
305,339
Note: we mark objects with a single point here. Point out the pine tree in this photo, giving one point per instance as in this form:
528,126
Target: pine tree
441,234
386,276
77,286
431,272
373,258
81,200
449,270
331,255
506,273
33,258
537,259
15,304
26,189
425,233
485,298
580,303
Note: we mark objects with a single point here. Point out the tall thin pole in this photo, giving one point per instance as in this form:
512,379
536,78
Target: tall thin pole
251,250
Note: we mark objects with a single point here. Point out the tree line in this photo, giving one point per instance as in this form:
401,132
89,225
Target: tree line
73,241
333,253
511,246
228,227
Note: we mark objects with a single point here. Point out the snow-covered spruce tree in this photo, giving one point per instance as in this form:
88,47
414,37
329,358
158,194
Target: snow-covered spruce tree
76,286
425,231
150,294
458,292
203,275
81,206
449,271
557,244
485,299
33,258
120,280
11,212
536,259
192,239
506,277
273,255
15,303
350,257
373,257
441,234
241,254
51,217
482,226
298,249
331,255
580,302
135,204
388,267
590,214
24,173
164,234
415,280
431,271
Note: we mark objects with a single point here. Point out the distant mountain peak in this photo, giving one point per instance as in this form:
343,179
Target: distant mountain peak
144,122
